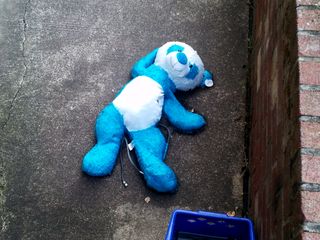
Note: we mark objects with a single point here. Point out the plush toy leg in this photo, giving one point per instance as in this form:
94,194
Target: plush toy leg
100,160
150,147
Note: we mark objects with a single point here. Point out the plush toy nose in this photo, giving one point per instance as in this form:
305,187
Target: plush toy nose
182,58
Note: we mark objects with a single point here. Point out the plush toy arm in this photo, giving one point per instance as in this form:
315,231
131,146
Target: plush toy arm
179,117
143,63
207,79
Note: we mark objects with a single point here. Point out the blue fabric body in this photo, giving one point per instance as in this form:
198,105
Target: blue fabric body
100,160
150,145
177,115
141,65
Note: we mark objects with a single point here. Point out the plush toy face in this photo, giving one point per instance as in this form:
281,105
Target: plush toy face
182,63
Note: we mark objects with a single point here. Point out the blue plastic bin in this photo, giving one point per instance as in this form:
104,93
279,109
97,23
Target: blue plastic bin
188,225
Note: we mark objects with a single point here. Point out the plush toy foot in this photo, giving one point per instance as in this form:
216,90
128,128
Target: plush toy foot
159,176
150,147
100,160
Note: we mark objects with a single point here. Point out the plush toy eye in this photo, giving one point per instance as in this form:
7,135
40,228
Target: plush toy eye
179,50
190,66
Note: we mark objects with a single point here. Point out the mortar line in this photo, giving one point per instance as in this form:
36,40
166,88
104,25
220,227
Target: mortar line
309,59
310,151
308,7
310,118
310,187
308,32
313,227
307,87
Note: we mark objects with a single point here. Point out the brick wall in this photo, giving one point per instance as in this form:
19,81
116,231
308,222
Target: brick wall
284,143
308,12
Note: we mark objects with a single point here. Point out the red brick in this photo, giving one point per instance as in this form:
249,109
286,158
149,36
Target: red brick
310,103
310,134
310,236
310,202
310,168
309,73
308,2
309,45
308,19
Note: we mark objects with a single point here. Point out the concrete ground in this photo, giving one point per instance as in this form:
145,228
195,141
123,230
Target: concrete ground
60,63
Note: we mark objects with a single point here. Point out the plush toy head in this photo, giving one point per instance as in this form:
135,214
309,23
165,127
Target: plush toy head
183,65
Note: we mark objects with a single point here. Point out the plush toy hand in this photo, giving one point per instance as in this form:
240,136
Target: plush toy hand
142,64
179,117
207,80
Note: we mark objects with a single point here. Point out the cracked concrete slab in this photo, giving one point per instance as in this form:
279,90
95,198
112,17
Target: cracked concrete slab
61,62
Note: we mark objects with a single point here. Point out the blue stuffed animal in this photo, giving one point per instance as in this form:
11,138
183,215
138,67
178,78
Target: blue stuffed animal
138,107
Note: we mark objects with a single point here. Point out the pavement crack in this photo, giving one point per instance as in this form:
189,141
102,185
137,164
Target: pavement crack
25,67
